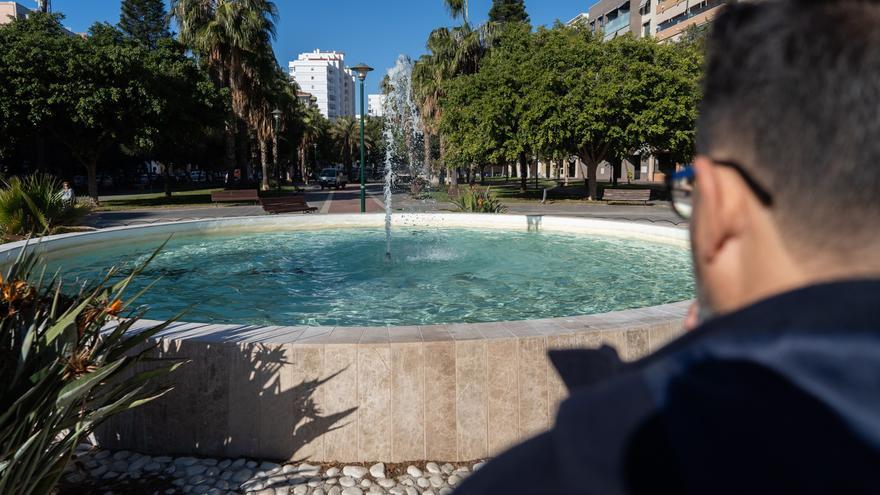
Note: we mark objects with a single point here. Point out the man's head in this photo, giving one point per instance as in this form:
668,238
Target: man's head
792,94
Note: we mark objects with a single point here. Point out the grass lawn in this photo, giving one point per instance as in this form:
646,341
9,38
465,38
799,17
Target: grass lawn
194,198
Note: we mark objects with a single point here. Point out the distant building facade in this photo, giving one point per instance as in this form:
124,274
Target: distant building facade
665,20
674,17
325,76
376,105
10,11
581,19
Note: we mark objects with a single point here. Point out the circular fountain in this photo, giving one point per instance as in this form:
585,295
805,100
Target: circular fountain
309,344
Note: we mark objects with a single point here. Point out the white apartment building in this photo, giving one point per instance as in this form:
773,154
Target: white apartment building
376,105
325,76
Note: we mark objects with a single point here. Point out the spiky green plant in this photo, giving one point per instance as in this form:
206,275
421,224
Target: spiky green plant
475,199
66,364
33,205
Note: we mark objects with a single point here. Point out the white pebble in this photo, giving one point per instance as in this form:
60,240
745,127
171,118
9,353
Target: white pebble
414,472
433,468
356,472
377,470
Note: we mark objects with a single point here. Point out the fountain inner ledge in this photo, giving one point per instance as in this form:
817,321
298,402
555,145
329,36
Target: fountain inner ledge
454,392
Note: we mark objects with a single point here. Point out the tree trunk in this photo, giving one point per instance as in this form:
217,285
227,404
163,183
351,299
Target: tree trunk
276,162
229,142
167,181
591,180
92,173
482,174
523,165
615,170
264,162
427,146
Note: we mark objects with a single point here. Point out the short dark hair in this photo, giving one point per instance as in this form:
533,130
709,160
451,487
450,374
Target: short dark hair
792,91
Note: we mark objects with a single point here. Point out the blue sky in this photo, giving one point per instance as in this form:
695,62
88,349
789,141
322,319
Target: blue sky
372,31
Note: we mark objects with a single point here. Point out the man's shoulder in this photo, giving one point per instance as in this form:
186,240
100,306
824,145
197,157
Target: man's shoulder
716,403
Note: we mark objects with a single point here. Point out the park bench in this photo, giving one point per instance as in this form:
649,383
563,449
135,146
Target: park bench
627,195
235,196
286,204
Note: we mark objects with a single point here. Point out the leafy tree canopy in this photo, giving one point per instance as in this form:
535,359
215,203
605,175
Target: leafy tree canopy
144,20
503,11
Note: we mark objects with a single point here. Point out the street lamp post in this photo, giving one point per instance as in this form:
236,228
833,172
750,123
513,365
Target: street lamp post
276,114
362,70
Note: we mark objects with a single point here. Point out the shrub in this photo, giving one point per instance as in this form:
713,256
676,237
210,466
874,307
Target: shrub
66,364
478,200
33,205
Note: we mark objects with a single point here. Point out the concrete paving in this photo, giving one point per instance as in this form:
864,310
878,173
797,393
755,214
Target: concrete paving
348,201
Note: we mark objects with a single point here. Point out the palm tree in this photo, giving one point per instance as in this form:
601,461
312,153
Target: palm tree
346,132
314,128
458,8
451,52
229,37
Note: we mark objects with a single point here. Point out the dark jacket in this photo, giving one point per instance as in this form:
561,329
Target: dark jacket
780,397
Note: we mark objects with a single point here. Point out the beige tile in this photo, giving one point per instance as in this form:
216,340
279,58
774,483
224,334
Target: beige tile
345,335
557,391
303,379
435,333
405,334
375,335
339,396
636,343
407,402
471,394
243,425
660,335
503,389
533,387
374,401
211,370
275,399
441,441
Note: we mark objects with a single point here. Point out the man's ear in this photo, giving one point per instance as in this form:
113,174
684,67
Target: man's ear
705,227
720,207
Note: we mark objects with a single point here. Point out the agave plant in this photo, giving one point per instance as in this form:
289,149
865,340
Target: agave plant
478,200
66,364
33,205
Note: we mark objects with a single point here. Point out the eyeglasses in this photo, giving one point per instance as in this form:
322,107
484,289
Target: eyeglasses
681,187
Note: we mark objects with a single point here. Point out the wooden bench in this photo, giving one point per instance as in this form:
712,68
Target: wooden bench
286,204
235,196
627,195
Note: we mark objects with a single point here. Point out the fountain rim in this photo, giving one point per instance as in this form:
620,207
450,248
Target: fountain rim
315,335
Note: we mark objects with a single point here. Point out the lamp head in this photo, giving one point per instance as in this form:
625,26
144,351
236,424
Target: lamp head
362,70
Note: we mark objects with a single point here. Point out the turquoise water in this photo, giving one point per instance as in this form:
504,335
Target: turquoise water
341,277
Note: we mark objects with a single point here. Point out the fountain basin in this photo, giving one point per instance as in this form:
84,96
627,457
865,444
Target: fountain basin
451,392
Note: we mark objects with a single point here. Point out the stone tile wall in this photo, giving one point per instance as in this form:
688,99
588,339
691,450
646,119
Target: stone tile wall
444,392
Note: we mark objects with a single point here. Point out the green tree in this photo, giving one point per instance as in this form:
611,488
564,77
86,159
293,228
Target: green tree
230,37
346,132
187,106
458,8
144,20
314,127
504,11
603,101
483,114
